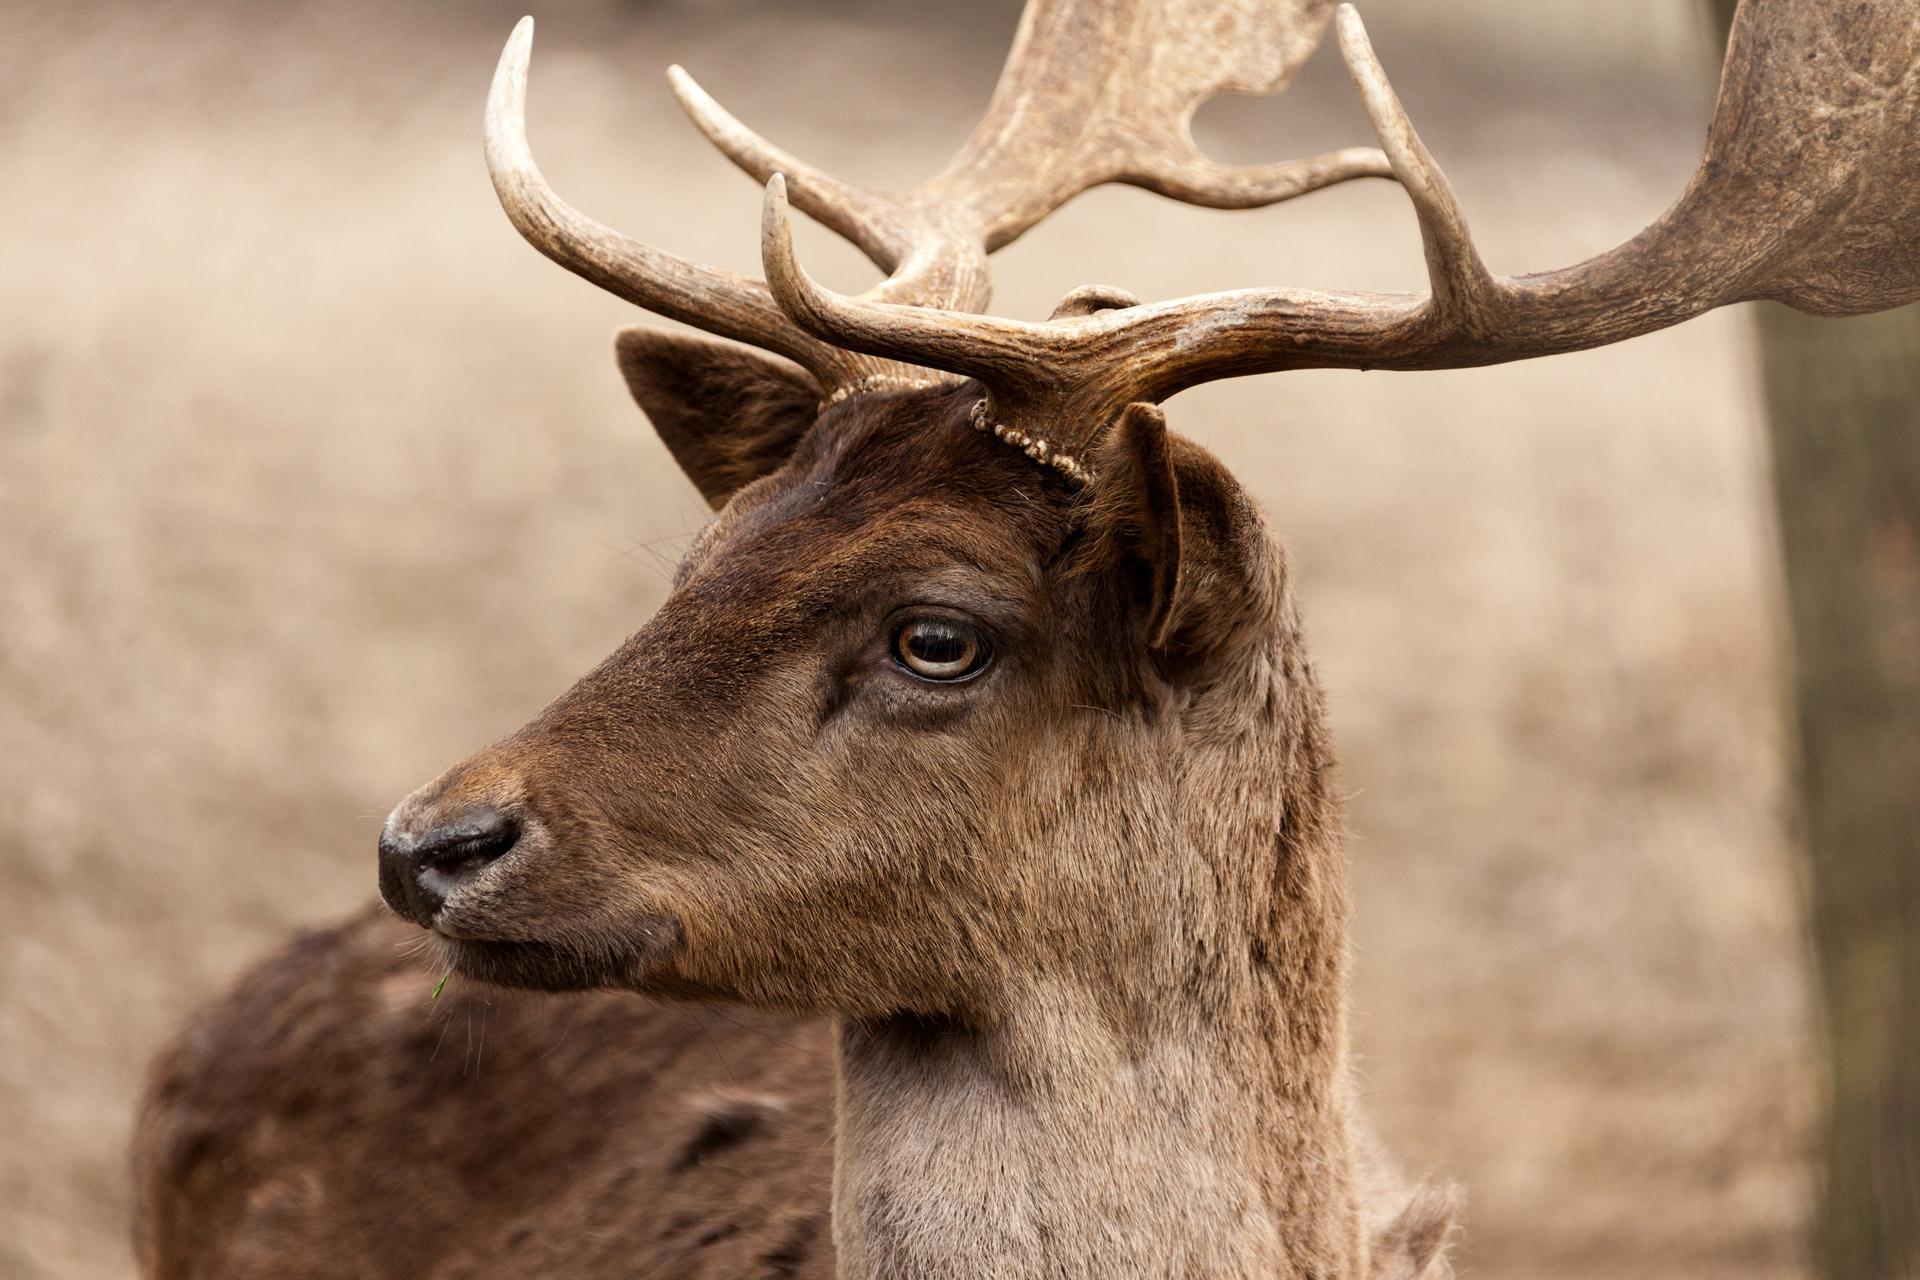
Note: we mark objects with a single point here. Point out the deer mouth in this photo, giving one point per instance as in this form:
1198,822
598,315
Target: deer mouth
634,955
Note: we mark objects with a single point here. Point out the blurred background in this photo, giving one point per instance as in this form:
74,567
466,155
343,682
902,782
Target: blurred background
314,478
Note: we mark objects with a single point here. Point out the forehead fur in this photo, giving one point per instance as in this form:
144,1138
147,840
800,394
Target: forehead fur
883,475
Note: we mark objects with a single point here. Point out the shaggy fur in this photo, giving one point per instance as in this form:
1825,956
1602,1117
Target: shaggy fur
1072,932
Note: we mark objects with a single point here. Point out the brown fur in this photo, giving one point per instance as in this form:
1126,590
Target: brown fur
1077,926
329,1119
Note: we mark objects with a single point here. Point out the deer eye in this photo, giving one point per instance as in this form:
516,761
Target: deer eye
940,649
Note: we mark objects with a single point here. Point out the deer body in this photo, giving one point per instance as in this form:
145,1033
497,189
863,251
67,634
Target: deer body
975,750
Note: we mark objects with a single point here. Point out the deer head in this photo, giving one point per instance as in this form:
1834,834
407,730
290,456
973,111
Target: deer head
913,695
898,729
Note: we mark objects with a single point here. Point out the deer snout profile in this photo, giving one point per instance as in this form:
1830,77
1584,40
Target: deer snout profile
509,869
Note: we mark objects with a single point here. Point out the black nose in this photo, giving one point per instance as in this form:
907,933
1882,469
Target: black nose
419,869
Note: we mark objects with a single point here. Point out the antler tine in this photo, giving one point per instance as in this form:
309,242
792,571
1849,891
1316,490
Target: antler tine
996,351
1459,279
713,299
929,263
856,213
1196,180
709,298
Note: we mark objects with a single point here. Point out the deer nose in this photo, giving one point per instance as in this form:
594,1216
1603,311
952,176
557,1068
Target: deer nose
421,862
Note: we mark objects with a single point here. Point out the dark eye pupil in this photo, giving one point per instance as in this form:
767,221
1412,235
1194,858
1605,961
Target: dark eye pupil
936,650
938,645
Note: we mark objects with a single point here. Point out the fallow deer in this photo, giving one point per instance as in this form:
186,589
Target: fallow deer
974,762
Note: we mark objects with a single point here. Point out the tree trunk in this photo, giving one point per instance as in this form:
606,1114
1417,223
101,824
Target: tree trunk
1843,401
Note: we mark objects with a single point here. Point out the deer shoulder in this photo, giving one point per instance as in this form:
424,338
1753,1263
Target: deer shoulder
329,1118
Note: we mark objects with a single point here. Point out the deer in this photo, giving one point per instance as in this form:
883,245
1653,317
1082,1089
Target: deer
948,879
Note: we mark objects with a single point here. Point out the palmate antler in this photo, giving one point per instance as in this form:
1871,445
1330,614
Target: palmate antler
1809,194
1093,91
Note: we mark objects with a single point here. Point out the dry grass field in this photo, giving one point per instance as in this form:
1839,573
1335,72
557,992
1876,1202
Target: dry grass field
314,478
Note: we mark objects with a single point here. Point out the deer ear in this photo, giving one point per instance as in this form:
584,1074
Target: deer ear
1168,516
727,413
1137,510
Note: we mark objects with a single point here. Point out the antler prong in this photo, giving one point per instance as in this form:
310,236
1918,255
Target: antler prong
1195,179
797,292
718,301
857,213
507,102
1459,278
999,351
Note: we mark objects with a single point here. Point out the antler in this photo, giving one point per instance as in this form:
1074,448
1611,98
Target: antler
707,297
1809,194
1094,91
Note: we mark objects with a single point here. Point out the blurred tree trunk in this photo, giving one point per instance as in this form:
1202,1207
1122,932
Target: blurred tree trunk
1843,398
1843,401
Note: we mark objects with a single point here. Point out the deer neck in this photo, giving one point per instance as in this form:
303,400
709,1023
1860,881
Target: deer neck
1181,1110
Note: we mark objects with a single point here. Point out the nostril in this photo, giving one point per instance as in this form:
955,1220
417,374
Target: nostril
419,869
464,847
